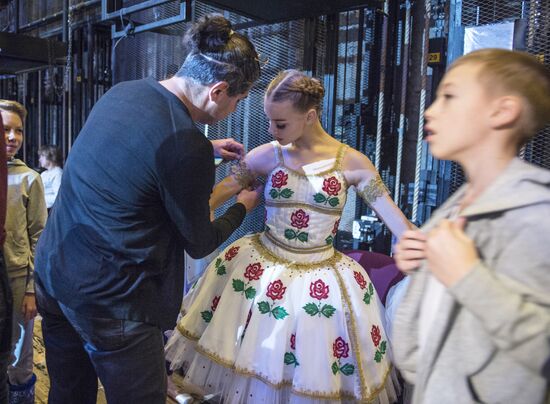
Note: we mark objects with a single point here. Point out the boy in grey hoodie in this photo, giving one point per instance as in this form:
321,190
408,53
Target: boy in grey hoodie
474,325
25,220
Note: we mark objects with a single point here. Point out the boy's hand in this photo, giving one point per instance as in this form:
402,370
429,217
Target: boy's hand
451,254
410,251
28,308
228,149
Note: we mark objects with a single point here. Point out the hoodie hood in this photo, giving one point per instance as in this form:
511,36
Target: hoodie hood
16,163
520,184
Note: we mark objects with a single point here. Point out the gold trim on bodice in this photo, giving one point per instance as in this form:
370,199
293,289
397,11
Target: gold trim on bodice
297,205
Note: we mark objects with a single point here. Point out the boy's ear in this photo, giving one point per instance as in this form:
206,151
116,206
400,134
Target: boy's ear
507,111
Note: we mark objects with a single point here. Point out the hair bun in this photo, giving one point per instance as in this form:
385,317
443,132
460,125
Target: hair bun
210,34
309,86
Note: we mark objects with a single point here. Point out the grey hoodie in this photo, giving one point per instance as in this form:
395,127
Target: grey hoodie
25,219
490,339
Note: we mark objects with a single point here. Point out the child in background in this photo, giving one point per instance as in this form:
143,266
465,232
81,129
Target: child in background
474,325
50,158
25,220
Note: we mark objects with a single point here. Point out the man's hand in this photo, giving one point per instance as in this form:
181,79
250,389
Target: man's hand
410,251
228,149
451,254
250,197
28,308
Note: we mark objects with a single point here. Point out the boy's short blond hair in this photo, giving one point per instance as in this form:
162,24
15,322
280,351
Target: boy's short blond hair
517,73
15,107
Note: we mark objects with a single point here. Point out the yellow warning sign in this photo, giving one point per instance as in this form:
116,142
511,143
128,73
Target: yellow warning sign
434,57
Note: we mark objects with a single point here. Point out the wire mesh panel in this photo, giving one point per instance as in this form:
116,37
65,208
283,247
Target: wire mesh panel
536,15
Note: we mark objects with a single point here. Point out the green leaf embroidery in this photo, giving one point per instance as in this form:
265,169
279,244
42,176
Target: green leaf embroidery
273,193
264,307
333,202
250,292
311,309
303,237
206,316
238,285
218,262
221,270
329,240
328,310
366,298
319,197
287,193
378,356
383,347
347,369
371,289
279,312
335,368
290,234
290,359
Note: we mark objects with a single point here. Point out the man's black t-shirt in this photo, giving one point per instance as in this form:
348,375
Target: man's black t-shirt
134,195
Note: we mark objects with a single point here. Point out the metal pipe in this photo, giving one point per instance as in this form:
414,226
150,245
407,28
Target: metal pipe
382,85
420,136
358,73
403,101
39,108
16,18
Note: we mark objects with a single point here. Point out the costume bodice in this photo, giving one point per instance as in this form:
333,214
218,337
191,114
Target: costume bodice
303,209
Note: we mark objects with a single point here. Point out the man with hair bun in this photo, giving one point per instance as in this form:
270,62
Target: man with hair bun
134,196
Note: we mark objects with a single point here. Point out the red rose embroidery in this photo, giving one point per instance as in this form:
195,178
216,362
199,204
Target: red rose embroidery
318,290
276,290
335,228
340,349
231,253
253,271
331,186
360,279
215,303
375,335
293,341
299,219
279,179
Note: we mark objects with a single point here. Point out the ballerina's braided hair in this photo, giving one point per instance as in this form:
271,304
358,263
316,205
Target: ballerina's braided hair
214,53
304,91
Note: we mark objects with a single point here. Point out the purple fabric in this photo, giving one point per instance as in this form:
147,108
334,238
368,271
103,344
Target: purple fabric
381,270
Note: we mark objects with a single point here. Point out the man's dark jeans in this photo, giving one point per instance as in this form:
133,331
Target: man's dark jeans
126,356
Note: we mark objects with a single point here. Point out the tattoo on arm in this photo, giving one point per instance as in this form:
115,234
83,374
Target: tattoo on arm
243,175
373,190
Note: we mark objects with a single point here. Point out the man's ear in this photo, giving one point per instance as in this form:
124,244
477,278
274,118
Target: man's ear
217,90
507,110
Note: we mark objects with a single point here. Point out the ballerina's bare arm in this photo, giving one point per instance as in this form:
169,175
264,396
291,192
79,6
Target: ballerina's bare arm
360,172
257,163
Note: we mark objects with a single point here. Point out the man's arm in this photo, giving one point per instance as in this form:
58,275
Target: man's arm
186,181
